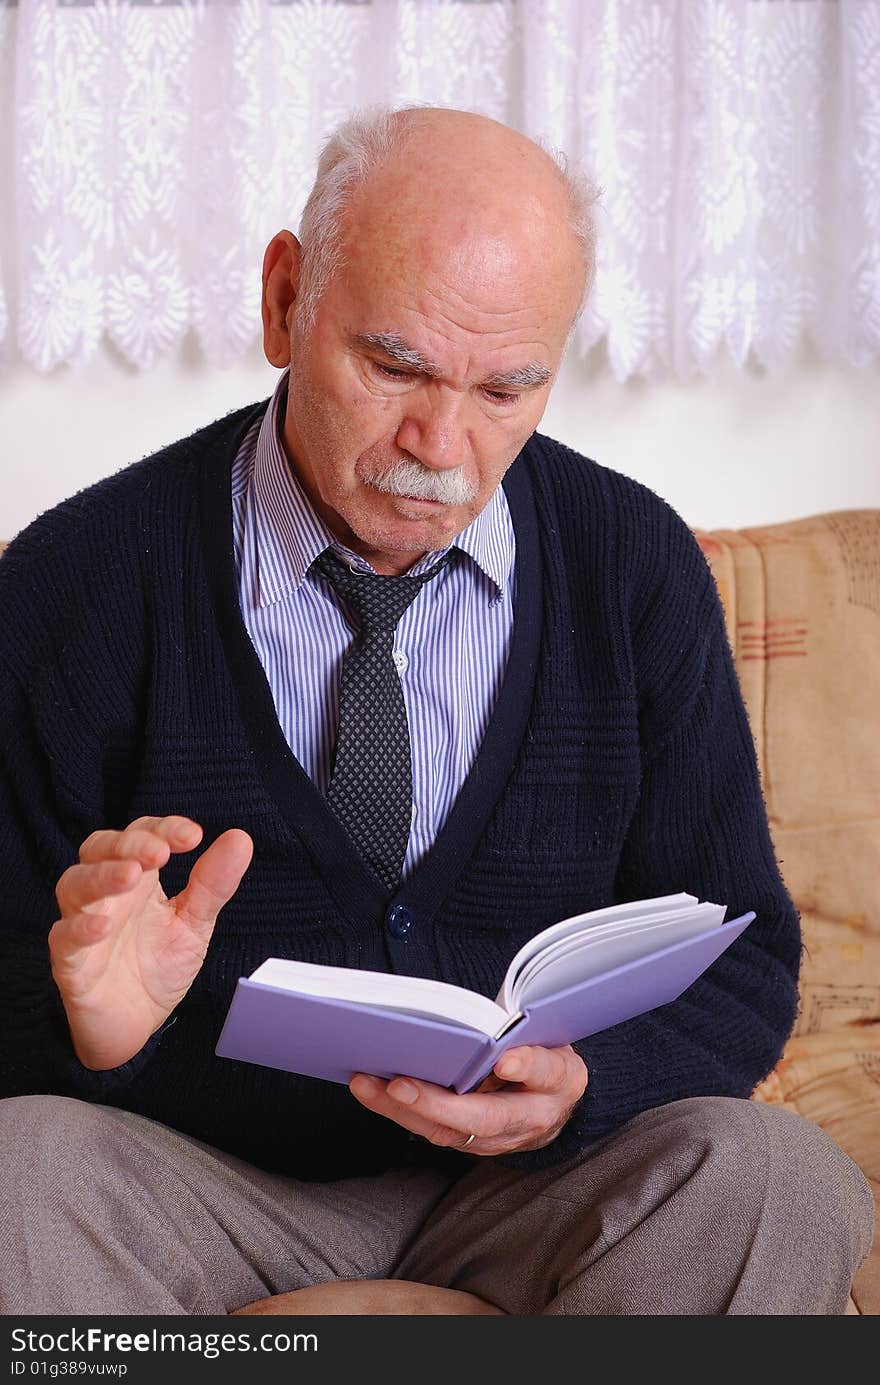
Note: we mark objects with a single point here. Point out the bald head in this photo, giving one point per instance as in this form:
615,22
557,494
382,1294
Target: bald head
423,315
444,178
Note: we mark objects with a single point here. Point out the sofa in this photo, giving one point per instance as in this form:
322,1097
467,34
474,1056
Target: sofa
802,602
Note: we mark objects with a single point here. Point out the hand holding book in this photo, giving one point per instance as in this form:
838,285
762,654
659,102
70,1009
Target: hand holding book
524,1107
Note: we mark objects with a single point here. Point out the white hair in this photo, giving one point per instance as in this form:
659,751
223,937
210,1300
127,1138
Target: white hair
362,144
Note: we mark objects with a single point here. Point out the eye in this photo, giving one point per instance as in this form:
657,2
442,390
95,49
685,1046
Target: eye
501,396
392,372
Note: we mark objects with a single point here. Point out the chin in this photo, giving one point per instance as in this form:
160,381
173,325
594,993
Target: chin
408,530
415,539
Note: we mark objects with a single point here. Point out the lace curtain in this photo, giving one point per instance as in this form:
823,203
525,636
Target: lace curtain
149,152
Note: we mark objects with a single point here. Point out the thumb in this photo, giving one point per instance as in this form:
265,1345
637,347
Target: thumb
215,877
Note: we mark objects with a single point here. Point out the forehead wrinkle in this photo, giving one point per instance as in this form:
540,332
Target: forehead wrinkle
456,307
399,350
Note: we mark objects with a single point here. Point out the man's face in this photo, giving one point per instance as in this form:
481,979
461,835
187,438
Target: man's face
427,369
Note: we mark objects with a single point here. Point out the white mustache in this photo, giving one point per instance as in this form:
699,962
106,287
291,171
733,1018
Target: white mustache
408,477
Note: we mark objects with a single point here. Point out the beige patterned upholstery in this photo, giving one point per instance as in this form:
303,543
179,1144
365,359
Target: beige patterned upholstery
802,601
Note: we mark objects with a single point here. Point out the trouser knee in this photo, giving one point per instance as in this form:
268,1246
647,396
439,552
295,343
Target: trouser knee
780,1165
43,1142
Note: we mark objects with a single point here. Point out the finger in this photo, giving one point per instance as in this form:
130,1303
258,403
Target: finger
511,1109
81,887
372,1092
500,1114
69,936
538,1069
486,1112
215,877
149,840
502,1120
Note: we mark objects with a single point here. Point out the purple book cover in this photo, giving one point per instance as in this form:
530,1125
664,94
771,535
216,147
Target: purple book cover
333,1039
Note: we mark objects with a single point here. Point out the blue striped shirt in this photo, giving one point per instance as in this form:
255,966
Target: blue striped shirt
451,645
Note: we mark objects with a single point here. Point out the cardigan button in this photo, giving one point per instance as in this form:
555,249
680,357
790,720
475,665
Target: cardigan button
399,921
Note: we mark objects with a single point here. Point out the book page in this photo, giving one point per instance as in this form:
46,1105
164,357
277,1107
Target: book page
604,933
579,924
413,994
579,960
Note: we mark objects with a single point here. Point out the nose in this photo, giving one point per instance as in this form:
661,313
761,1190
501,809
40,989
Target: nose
433,428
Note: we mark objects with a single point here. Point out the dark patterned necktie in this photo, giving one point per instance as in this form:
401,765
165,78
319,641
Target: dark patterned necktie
371,782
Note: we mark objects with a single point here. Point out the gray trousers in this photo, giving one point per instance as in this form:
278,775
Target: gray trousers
706,1206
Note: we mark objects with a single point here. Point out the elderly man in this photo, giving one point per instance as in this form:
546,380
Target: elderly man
191,653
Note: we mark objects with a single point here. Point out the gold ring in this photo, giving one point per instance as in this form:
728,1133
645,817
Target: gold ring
468,1141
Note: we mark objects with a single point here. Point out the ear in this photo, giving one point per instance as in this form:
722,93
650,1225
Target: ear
282,265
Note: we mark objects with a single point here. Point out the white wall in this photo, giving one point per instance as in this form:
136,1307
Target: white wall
741,449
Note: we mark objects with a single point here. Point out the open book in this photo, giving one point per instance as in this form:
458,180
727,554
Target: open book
571,980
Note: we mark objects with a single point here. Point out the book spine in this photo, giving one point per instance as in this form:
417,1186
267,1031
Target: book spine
481,1063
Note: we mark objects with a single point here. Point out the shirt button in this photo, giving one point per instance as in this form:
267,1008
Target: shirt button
401,662
400,921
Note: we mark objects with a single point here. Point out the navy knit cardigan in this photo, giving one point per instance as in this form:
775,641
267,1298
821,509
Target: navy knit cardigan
618,765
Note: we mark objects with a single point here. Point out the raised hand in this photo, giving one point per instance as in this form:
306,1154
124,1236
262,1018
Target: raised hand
123,955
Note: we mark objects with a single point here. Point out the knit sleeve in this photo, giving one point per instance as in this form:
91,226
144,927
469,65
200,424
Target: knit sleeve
700,826
52,755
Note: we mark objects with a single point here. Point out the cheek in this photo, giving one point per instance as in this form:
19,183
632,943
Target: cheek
360,441
370,425
496,448
350,426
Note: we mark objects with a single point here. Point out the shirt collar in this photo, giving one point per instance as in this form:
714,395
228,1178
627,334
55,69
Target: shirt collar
290,534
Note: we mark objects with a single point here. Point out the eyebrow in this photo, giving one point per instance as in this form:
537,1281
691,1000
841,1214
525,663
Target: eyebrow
527,377
399,350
